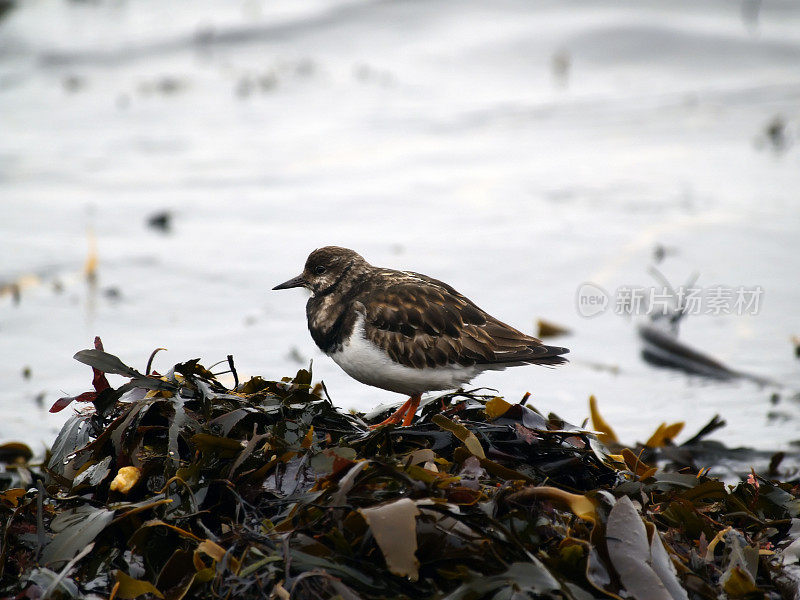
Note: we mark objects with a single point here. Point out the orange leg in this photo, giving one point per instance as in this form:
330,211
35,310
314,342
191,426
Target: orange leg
405,413
396,416
412,409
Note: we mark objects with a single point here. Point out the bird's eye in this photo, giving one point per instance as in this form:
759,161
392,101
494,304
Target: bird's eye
319,270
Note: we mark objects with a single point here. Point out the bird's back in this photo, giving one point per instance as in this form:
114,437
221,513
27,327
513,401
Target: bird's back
423,322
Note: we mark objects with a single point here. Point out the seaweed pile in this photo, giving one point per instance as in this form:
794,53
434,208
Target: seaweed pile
172,486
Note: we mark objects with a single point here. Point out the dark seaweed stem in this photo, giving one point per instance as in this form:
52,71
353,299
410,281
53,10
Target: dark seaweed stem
233,372
40,534
148,370
177,487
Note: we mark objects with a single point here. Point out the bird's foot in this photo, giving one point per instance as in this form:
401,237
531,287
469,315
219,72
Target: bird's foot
405,413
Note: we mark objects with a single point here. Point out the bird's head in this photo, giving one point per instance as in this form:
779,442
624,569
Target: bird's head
325,269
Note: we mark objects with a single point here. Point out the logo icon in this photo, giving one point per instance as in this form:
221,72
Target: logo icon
591,300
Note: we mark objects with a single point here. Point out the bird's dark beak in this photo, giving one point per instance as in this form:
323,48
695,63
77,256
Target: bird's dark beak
292,283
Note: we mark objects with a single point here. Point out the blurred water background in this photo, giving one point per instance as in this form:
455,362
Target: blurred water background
514,149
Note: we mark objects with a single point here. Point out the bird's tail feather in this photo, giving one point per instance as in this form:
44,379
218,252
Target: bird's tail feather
539,354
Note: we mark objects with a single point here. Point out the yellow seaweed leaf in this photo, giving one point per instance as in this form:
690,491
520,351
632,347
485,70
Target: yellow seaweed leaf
635,464
222,446
607,435
90,268
12,496
217,552
128,588
550,329
663,434
462,433
738,583
308,438
496,407
713,544
578,504
648,473
212,549
672,431
137,508
175,528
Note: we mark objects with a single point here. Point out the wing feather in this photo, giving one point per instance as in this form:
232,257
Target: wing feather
423,322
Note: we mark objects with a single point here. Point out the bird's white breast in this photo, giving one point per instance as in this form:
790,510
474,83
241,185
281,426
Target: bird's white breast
366,362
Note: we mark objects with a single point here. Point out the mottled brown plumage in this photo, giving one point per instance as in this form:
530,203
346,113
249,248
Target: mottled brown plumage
418,321
422,322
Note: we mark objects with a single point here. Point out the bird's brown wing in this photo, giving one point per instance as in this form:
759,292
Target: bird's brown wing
422,322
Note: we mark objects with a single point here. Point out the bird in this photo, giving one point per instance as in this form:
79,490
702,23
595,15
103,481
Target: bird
406,332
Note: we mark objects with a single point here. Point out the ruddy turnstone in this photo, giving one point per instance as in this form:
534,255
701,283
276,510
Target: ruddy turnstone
403,331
